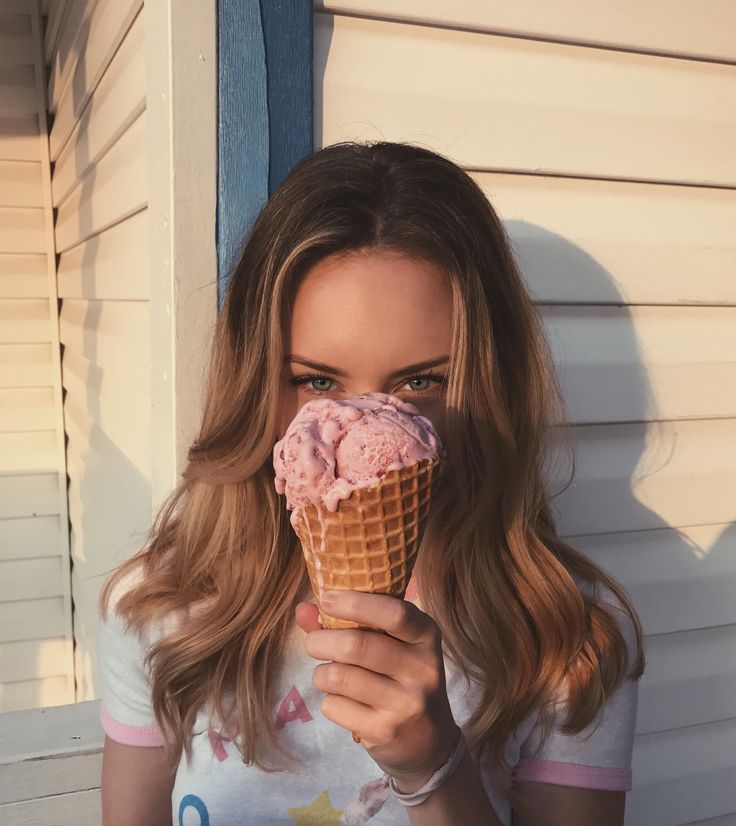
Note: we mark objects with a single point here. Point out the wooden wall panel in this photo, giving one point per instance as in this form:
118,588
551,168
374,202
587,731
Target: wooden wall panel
680,579
112,265
35,598
509,104
100,142
109,193
29,495
29,409
92,47
610,160
684,775
629,364
23,276
586,241
22,230
118,100
31,579
692,27
644,476
31,538
25,365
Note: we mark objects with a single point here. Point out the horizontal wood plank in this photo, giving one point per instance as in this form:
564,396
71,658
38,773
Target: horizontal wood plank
633,477
114,401
628,364
27,409
105,331
32,780
25,579
697,29
29,452
16,45
50,732
31,620
51,754
506,104
93,455
117,102
25,321
111,191
29,495
690,679
28,694
679,579
28,537
33,659
75,23
111,265
17,91
20,184
611,242
22,230
683,774
54,22
19,137
73,809
23,276
26,365
95,43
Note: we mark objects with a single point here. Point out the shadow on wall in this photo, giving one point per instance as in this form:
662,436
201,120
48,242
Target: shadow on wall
680,576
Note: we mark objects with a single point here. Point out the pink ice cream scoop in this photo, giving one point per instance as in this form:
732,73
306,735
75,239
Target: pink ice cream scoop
333,446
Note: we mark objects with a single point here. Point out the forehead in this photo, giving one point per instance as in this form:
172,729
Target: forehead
379,300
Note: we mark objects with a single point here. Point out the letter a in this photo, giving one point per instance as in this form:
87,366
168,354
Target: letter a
299,711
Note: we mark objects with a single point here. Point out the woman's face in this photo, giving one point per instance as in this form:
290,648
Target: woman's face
361,321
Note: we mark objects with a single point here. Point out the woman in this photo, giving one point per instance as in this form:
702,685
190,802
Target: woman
373,267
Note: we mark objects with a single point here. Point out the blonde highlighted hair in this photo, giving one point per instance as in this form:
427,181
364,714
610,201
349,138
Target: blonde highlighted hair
491,570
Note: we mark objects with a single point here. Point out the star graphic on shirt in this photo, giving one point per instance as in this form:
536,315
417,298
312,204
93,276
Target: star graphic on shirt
320,813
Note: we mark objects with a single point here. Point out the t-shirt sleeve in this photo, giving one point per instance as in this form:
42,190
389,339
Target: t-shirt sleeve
126,713
598,757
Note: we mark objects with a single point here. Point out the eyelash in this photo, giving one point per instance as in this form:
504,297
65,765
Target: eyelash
439,381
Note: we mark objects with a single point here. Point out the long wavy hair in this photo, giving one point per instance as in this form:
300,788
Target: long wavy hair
491,570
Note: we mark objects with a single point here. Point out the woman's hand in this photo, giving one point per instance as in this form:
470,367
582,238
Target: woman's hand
387,688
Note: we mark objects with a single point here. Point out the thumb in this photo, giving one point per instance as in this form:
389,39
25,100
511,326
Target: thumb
307,616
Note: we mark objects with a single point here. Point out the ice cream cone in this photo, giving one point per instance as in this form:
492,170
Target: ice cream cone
372,540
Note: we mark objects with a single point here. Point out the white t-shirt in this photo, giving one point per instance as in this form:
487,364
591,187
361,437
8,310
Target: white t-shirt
339,782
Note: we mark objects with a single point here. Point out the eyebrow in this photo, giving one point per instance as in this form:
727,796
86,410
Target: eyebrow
410,368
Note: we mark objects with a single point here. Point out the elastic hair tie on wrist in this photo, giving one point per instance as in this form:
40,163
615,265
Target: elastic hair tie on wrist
435,781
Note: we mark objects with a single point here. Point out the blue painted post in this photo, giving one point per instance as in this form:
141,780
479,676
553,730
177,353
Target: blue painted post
265,104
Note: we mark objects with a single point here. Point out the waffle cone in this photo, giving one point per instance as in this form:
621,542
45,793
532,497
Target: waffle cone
371,541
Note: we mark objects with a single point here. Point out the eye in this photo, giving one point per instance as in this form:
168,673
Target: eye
311,379
428,381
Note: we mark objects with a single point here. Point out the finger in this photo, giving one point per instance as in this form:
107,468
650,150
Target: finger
369,650
398,617
364,686
354,716
307,616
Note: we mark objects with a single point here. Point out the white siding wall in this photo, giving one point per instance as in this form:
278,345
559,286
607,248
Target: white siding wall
98,143
36,665
606,142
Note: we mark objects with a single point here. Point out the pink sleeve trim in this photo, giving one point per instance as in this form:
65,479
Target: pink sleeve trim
129,735
573,774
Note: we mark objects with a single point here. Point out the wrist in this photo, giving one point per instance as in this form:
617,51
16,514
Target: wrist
409,784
